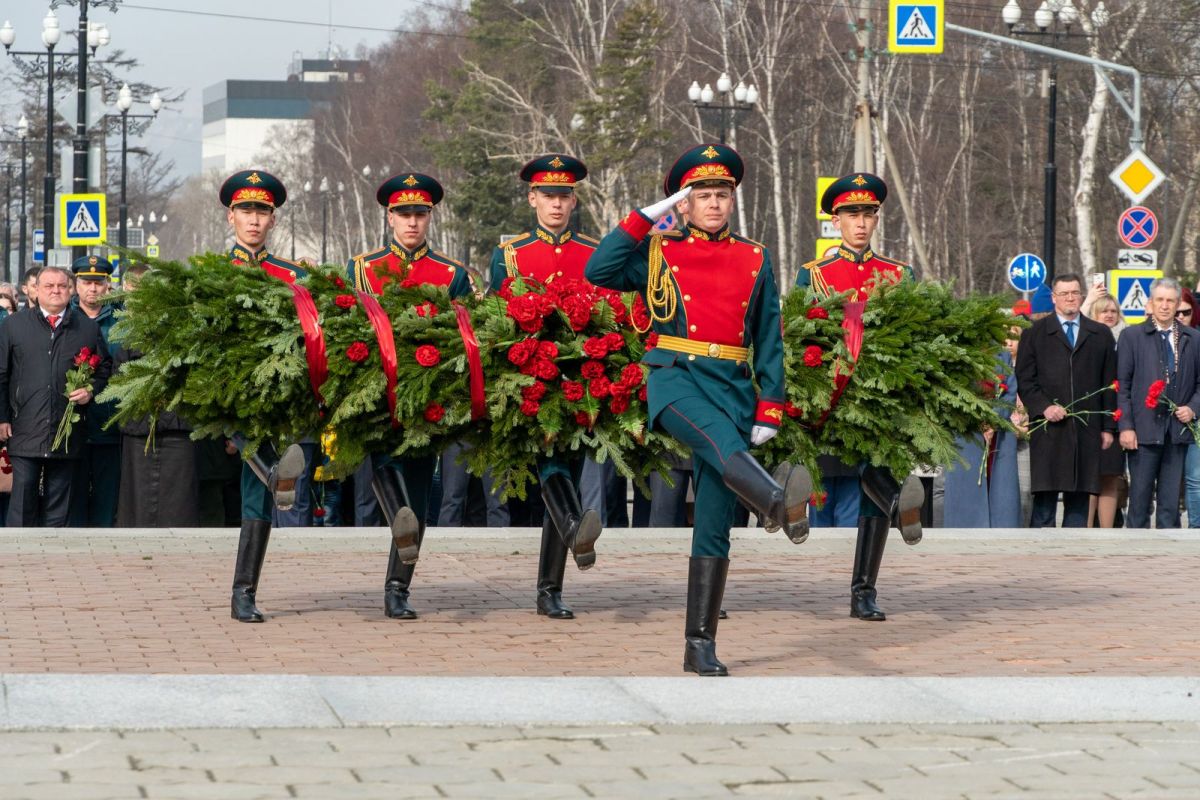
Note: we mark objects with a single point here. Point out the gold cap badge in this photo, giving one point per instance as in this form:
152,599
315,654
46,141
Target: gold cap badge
254,178
556,163
710,152
410,181
859,181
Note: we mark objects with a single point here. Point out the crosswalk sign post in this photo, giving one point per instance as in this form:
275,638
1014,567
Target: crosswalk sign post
1131,288
83,219
916,26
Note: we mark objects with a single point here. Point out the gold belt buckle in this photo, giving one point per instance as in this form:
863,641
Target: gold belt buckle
714,350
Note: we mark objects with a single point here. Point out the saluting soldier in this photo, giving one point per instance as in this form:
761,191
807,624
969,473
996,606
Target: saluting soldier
402,485
854,202
252,197
714,307
553,251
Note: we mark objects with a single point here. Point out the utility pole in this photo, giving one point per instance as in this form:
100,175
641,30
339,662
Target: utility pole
863,152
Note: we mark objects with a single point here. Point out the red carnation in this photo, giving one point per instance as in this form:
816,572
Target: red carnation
1117,415
812,356
547,350
1003,388
339,283
592,370
641,317
546,370
82,356
572,390
1152,394
642,394
94,361
318,512
427,355
652,341
522,351
619,405
614,340
535,391
632,375
816,312
600,388
578,314
434,412
583,419
530,408
528,310
818,498
358,352
345,301
409,283
620,313
791,409
426,309
1116,386
595,347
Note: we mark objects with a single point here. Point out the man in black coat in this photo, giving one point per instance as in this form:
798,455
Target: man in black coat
1062,359
1157,439
37,349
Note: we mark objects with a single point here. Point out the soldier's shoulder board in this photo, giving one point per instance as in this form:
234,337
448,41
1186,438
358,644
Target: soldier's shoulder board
442,258
820,262
671,234
891,261
737,237
371,255
277,261
519,240
590,241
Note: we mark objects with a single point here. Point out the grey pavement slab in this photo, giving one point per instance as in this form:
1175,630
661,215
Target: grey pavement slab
150,702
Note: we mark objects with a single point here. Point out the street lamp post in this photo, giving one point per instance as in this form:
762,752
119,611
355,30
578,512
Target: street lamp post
23,135
1048,18
366,173
734,100
124,103
8,175
90,36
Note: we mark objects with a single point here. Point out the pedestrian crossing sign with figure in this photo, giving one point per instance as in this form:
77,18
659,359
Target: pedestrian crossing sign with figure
1131,288
82,219
916,26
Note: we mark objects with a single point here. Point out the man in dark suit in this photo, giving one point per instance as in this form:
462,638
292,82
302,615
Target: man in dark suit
37,349
1063,364
1157,438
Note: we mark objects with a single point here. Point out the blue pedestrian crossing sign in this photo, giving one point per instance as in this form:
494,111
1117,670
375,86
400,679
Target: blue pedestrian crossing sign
1026,272
83,219
916,26
1131,289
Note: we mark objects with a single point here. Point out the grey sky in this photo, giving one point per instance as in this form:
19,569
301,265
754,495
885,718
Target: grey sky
189,51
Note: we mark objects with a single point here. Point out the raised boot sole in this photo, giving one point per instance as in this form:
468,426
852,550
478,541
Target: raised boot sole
287,473
795,499
583,549
912,499
405,531
780,475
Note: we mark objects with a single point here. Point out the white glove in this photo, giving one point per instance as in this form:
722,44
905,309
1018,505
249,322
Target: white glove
656,210
761,434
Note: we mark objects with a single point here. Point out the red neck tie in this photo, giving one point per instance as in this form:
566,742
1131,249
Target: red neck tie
53,320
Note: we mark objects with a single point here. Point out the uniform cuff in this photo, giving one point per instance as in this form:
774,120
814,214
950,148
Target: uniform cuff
637,225
769,412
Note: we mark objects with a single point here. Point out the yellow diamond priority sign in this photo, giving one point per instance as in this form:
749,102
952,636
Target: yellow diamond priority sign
1137,176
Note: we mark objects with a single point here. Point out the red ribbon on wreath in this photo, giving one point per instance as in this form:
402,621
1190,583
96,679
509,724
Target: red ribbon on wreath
387,347
474,364
314,340
852,324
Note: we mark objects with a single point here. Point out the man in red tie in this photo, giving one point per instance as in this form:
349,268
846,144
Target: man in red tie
37,349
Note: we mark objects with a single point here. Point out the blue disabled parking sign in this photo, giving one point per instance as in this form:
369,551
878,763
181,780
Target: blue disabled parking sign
1026,272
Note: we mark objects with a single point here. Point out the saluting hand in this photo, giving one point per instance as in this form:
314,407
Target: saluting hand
656,210
761,434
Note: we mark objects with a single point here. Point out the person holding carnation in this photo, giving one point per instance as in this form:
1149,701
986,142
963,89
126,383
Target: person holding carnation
712,297
1158,396
854,201
553,251
402,486
268,480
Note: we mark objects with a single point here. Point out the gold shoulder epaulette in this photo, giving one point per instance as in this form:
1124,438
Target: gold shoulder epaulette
737,237
371,255
519,239
820,262
589,240
442,258
892,261
674,233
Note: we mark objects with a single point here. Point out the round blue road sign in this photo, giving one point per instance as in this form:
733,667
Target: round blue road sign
1026,272
1137,227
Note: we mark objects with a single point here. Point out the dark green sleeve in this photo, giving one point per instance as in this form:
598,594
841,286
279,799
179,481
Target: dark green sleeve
620,260
497,272
767,333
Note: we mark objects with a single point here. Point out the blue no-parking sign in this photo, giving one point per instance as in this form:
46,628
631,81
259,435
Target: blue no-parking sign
1026,272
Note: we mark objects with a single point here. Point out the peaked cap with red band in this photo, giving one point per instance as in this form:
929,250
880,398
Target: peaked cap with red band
253,187
409,191
855,189
554,173
702,163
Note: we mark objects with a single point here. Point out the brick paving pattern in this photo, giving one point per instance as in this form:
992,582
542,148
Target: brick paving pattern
962,605
1064,762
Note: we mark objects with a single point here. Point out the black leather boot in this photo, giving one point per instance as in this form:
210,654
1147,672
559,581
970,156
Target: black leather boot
868,555
392,494
252,549
901,504
578,529
786,505
552,564
395,586
706,588
278,474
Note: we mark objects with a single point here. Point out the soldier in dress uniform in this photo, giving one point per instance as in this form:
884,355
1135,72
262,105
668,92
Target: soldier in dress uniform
267,479
402,485
712,297
854,202
553,251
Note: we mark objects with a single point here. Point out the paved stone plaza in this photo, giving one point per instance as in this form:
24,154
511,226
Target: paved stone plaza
1013,664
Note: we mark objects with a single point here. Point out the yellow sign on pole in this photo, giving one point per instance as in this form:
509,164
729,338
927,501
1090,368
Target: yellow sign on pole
916,26
83,219
1137,176
827,247
822,185
1131,289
